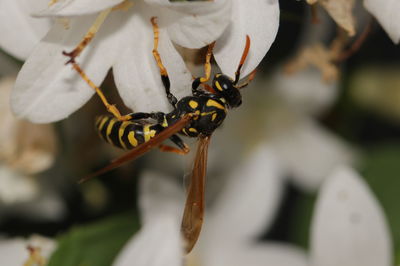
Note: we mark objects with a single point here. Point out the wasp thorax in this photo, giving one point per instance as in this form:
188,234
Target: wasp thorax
224,86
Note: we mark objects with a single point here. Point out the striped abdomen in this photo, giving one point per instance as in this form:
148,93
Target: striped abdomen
125,134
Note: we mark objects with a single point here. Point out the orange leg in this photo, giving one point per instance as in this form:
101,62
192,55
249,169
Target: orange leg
207,64
167,148
88,36
183,148
93,29
207,72
110,107
163,71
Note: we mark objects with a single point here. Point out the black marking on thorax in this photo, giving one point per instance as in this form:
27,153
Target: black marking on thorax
210,109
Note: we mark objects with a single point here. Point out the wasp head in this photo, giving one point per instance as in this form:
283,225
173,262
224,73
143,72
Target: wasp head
225,87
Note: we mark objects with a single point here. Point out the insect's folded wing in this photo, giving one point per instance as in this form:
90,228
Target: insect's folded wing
143,148
194,208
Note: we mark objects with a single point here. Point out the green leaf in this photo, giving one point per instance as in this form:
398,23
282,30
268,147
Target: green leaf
381,169
300,220
94,244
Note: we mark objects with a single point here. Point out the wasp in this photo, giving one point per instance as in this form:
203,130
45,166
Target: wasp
194,116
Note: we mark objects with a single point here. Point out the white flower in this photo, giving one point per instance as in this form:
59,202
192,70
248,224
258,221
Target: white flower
244,209
349,226
25,150
16,187
308,151
32,251
387,13
18,30
47,90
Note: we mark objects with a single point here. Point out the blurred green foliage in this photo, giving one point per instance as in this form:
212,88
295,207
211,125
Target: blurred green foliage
381,169
94,244
300,225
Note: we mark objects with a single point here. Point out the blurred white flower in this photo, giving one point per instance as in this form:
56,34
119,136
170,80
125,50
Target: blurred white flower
305,91
16,187
245,208
308,151
26,149
387,13
32,251
47,90
349,226
280,112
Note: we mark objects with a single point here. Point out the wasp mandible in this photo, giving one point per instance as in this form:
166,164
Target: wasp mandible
192,116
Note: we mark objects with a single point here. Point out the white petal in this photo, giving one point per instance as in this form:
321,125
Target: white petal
157,244
46,90
18,30
136,73
46,245
248,204
194,24
387,13
349,227
159,241
15,187
159,195
257,18
77,7
310,152
305,90
272,254
15,252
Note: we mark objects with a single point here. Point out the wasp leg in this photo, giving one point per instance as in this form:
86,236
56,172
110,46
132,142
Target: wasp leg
110,107
183,147
88,36
163,71
179,142
207,71
166,148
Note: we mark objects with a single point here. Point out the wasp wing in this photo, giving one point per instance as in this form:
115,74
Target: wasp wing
194,208
143,148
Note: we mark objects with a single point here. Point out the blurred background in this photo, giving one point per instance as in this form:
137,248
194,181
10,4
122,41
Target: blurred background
316,113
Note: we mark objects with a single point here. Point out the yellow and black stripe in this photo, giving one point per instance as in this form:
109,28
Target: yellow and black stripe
125,134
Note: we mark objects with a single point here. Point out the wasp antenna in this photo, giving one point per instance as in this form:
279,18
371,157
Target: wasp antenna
244,56
97,173
249,79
